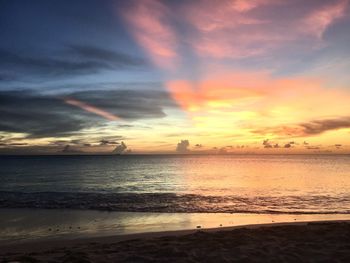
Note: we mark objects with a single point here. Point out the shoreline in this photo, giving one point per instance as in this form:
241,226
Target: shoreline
253,232
146,235
27,225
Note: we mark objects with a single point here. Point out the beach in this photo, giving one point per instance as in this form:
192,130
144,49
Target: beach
321,241
174,131
175,209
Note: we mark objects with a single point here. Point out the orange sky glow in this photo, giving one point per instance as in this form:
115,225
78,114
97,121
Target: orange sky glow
259,76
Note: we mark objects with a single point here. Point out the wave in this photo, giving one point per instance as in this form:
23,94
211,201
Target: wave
177,203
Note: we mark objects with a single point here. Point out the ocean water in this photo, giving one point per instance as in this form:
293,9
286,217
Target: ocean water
262,184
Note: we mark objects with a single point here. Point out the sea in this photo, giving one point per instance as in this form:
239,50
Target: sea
170,187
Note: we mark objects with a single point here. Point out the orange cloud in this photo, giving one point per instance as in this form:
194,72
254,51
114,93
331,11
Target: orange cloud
253,101
211,93
149,23
221,99
92,109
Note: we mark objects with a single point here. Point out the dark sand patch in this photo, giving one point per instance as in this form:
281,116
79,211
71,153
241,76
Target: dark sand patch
308,242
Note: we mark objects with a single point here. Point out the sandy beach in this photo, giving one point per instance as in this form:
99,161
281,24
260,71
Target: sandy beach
327,241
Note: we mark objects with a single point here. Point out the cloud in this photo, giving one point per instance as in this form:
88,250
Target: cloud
116,59
148,21
120,148
218,92
229,29
91,109
222,150
313,148
107,142
68,149
38,116
239,29
245,6
224,29
72,61
320,19
9,143
127,104
267,144
7,77
41,115
257,102
305,129
319,126
182,147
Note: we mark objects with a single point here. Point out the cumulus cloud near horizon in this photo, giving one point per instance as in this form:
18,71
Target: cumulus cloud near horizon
121,148
182,146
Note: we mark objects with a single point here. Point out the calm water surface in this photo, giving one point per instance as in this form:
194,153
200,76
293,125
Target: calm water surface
227,183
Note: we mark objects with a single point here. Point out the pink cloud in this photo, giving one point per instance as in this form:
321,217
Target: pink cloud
207,16
227,29
319,20
90,108
149,24
244,5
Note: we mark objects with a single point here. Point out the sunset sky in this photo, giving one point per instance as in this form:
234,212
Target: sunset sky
229,76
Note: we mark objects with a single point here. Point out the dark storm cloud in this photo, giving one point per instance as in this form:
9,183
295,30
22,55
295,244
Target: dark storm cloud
128,104
39,116
46,116
74,60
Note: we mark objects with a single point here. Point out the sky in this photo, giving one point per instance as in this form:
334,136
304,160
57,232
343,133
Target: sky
163,77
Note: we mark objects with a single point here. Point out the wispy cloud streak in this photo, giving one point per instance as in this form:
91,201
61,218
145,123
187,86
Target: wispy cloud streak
92,109
319,20
149,23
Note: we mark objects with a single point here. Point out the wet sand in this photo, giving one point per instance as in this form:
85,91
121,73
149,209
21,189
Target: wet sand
286,242
39,225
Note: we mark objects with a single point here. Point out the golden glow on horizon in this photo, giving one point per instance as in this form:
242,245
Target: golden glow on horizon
226,105
202,50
